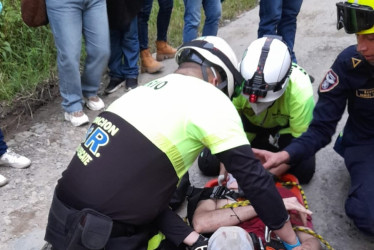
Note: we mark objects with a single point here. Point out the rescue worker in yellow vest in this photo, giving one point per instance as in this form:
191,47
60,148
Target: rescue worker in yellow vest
276,104
118,185
349,83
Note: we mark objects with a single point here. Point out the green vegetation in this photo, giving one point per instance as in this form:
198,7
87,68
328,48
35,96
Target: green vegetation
28,55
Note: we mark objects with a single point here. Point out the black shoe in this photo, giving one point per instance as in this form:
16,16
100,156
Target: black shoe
114,84
131,83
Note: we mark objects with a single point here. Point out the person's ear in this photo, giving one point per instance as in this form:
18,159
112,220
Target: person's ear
215,81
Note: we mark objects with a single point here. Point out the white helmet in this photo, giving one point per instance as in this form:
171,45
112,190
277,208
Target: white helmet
213,51
230,237
266,66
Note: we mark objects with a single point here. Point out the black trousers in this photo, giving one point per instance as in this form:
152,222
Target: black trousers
123,237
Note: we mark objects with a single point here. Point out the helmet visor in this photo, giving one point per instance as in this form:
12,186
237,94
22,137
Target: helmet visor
354,17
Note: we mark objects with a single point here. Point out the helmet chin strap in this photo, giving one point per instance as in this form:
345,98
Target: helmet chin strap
204,71
214,72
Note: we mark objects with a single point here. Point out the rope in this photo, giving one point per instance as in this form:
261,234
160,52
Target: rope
311,232
237,204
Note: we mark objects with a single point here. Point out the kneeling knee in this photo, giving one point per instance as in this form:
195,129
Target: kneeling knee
361,216
366,225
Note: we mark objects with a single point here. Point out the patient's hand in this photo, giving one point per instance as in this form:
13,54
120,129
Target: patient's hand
293,204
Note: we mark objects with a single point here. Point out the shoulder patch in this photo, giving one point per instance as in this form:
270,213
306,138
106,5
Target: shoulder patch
329,82
355,62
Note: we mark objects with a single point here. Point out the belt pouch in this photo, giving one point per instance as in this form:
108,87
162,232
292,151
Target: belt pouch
89,230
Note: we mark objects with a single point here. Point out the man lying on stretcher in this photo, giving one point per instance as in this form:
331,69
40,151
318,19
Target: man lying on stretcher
211,214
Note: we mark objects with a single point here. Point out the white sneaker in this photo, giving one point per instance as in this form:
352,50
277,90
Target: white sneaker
12,159
77,118
95,103
3,180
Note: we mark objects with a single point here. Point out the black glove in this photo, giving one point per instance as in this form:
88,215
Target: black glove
200,244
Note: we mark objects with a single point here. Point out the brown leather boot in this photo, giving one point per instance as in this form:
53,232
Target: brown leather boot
164,51
148,63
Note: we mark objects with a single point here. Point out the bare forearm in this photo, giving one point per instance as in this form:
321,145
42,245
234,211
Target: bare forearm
210,221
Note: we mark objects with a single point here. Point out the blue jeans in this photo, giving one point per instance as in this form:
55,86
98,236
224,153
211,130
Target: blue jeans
278,17
123,62
68,20
192,18
3,146
163,20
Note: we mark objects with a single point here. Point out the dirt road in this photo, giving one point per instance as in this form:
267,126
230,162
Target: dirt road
50,143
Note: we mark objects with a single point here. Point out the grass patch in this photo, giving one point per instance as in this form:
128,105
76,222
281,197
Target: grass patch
27,55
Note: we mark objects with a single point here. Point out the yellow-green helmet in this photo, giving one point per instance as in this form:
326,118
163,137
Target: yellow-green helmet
356,16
